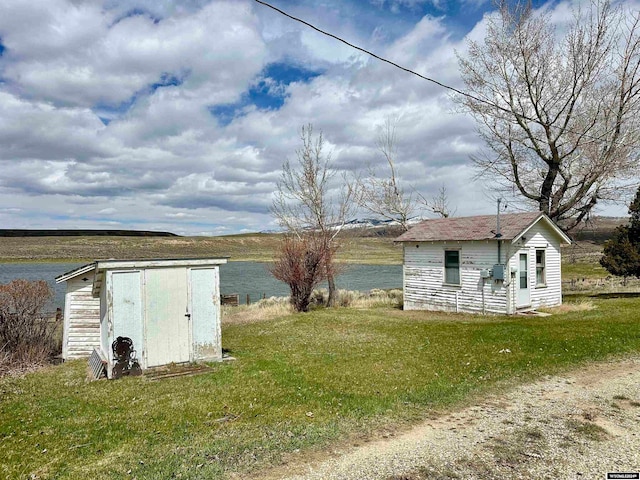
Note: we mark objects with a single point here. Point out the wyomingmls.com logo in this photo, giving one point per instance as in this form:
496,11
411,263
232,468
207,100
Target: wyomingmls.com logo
623,475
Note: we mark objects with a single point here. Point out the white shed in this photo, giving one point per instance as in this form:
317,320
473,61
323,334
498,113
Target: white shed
169,308
81,327
464,264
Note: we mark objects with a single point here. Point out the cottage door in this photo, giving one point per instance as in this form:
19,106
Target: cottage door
523,296
167,322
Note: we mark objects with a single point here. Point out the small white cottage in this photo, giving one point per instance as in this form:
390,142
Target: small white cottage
475,264
81,326
170,309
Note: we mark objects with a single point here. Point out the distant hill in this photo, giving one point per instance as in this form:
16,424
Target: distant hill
13,232
598,229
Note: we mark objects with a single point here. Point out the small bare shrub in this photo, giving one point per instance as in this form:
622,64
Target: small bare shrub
26,332
302,263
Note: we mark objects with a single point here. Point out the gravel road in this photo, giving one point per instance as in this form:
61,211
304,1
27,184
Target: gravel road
580,425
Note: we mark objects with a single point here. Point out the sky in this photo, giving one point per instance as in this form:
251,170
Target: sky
178,115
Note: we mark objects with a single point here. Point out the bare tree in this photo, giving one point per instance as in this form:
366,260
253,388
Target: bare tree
439,204
309,203
560,116
302,263
383,196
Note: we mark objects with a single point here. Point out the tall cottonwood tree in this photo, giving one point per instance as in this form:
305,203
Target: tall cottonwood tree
311,202
560,114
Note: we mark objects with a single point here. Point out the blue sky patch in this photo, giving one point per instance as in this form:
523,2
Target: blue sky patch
226,113
108,112
167,80
2,47
269,92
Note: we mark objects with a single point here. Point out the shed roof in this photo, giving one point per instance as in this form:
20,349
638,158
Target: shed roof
482,227
89,267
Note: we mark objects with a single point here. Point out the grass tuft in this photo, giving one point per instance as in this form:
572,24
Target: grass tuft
588,430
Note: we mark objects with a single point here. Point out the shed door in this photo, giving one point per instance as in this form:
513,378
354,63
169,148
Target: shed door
524,298
126,299
167,322
205,322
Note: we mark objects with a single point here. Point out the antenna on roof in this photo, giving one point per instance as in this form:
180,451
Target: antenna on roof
498,234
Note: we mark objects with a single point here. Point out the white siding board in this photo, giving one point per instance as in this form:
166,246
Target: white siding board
424,286
105,311
541,237
81,332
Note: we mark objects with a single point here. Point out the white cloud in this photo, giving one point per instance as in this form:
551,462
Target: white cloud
72,53
163,161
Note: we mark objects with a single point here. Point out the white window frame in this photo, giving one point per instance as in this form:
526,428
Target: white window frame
543,282
445,282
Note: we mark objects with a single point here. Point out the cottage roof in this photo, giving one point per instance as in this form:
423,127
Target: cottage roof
482,227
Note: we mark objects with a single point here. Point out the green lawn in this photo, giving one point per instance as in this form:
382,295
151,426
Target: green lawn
299,382
580,270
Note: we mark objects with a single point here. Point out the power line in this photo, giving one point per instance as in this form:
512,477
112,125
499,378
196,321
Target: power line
382,59
419,75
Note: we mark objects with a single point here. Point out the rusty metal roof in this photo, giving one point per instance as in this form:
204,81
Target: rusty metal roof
481,227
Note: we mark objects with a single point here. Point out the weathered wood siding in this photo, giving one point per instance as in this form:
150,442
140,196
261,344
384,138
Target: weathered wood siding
424,287
81,331
172,314
104,324
541,237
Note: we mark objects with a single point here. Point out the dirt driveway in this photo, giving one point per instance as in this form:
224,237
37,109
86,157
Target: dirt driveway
580,425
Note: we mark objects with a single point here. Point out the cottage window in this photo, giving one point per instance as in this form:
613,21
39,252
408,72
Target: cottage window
452,267
541,274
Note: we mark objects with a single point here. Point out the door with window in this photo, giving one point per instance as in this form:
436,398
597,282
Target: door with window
523,298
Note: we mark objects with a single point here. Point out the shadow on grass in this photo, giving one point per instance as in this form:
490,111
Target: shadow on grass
615,295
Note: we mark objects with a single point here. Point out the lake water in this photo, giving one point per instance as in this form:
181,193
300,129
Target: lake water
243,278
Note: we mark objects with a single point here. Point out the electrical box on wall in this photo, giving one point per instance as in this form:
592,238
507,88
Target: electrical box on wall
485,273
498,272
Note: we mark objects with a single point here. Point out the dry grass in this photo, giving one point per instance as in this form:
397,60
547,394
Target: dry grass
26,359
355,299
580,305
270,308
265,309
